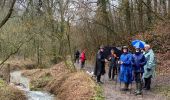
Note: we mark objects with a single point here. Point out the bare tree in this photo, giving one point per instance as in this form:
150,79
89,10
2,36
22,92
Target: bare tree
140,11
8,15
169,8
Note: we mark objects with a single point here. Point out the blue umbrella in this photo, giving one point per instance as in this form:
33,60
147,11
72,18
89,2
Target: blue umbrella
138,44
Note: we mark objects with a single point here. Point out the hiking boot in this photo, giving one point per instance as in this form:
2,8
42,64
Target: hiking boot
100,82
138,93
110,79
125,87
138,89
146,89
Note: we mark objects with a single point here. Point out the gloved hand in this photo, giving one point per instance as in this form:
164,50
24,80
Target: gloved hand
148,69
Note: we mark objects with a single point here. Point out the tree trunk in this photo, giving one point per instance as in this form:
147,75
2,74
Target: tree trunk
128,17
149,12
2,3
155,6
140,11
53,38
8,15
169,9
164,7
69,45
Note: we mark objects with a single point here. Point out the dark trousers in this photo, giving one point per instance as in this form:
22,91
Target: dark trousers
148,83
82,64
98,78
76,59
138,77
112,72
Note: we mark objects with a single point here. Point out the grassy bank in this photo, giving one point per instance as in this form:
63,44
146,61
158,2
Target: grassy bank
64,84
10,93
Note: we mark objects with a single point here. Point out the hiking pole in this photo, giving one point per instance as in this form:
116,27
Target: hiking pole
142,82
130,88
116,81
133,77
120,85
104,78
117,70
118,75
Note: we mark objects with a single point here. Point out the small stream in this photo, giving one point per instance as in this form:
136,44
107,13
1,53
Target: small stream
22,83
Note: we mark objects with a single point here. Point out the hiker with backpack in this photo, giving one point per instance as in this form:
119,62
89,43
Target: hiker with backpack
138,62
125,74
149,68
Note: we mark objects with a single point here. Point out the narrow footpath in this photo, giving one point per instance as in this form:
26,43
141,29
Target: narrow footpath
112,89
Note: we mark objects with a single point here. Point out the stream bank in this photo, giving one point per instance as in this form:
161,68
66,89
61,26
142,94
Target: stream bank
64,84
23,84
8,92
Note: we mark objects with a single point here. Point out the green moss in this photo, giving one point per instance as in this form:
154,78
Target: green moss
99,93
2,83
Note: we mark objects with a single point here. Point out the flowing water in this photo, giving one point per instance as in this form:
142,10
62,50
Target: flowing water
22,83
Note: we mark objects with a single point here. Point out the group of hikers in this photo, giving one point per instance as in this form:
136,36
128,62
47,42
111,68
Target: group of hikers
138,66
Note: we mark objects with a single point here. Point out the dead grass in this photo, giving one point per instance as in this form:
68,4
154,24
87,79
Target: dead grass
10,93
78,86
63,83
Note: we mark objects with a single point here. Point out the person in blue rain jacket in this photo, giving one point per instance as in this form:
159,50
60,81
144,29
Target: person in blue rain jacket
138,62
125,74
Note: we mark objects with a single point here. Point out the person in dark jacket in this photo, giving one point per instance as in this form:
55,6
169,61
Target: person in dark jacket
112,65
138,62
76,56
100,64
125,74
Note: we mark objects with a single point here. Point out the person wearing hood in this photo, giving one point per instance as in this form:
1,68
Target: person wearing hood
125,74
100,64
138,62
149,68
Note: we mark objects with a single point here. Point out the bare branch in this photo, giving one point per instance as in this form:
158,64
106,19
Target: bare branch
8,15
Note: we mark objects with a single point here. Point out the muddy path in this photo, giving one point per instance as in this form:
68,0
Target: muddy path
112,91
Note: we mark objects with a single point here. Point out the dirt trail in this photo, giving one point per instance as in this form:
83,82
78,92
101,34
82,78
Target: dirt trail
112,89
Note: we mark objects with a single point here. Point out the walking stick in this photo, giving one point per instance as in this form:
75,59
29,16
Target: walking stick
117,75
130,88
142,81
116,81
